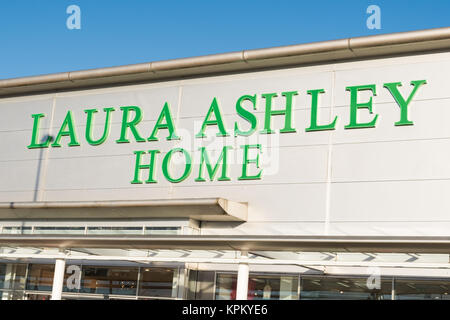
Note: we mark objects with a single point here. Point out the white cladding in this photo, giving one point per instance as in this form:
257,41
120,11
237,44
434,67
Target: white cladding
387,180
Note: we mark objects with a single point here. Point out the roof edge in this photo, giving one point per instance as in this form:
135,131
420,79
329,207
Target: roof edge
245,60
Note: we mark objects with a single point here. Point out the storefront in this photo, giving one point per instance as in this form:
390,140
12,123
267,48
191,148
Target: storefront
314,171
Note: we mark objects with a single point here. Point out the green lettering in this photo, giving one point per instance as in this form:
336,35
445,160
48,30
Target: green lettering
246,161
166,163
287,112
218,121
165,113
247,115
151,166
89,126
130,124
35,135
213,170
355,106
70,131
402,103
314,110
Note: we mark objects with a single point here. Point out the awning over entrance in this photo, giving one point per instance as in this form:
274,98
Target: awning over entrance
202,209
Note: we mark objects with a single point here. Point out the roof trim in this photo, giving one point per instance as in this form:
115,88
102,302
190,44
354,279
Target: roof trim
246,60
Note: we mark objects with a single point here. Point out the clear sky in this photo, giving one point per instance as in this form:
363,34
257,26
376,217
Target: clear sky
35,39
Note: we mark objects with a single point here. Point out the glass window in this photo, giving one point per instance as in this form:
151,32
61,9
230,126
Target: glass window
156,282
12,281
260,287
109,280
272,287
422,289
343,288
2,274
17,230
114,230
162,230
201,285
12,276
38,297
58,230
40,277
226,286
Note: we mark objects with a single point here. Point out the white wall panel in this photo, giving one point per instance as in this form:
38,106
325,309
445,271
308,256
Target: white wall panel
16,112
391,201
385,161
19,175
269,202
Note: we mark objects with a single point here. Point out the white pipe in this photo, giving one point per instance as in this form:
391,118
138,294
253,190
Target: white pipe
58,278
242,278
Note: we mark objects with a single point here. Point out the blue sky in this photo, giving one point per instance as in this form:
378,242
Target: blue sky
35,39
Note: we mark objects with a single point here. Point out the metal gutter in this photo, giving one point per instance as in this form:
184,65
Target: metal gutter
246,60
379,244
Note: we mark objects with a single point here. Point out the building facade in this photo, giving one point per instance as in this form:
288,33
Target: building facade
314,171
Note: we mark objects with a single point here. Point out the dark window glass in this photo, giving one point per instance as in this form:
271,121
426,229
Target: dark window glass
17,230
109,280
40,277
272,287
260,287
162,230
422,289
334,288
156,282
114,230
12,276
2,275
226,287
38,297
59,230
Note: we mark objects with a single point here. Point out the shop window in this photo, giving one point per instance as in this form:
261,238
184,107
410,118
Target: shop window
157,282
260,287
331,288
40,277
2,274
273,287
109,280
201,285
12,281
226,287
422,289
